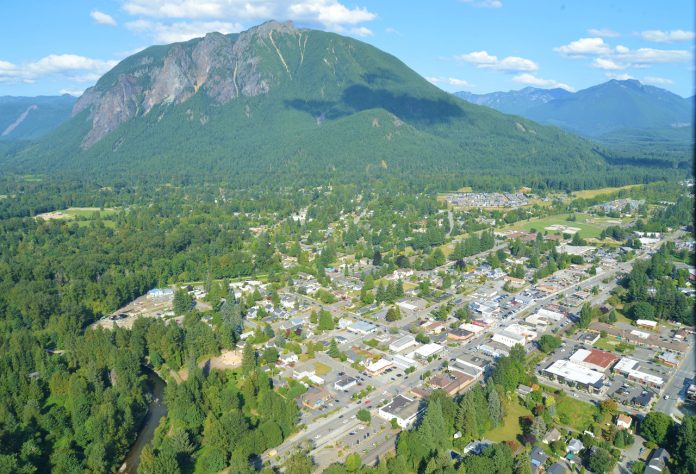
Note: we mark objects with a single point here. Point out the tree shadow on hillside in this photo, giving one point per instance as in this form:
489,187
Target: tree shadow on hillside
319,109
406,107
357,98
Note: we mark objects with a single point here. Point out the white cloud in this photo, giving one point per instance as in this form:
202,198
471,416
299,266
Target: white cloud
619,77
102,18
71,66
330,13
660,81
620,57
508,64
392,31
533,80
452,81
603,33
361,31
477,57
583,47
607,64
73,92
485,3
181,31
180,20
667,36
643,57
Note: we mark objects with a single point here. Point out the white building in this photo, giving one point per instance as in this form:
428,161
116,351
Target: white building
426,350
472,328
568,371
629,367
345,383
515,334
402,409
378,367
646,323
402,343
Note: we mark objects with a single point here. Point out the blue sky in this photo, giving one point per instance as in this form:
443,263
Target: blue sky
50,47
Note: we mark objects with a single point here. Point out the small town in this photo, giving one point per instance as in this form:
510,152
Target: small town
360,348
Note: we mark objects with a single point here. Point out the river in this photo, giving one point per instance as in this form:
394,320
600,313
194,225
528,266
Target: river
156,411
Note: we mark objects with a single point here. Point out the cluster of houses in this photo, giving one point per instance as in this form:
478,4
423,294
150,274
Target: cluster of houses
510,200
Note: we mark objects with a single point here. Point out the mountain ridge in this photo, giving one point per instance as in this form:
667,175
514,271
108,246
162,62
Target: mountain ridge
612,106
286,104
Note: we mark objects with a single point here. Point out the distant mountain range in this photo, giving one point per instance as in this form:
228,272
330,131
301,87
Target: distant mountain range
286,104
612,107
26,118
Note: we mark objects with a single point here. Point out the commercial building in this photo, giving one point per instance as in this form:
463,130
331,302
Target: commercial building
451,382
594,359
362,327
646,323
570,372
402,409
378,367
630,369
426,350
345,383
515,334
402,343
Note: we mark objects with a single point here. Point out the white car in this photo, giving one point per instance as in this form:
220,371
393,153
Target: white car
666,397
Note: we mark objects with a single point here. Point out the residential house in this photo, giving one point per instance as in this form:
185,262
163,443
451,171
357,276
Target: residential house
623,421
538,458
657,462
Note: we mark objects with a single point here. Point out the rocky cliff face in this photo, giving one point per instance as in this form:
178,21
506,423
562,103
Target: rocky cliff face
223,67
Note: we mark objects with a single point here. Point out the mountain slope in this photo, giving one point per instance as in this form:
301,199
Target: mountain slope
605,108
281,103
515,102
25,118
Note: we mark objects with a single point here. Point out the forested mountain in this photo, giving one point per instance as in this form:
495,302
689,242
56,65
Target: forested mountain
25,118
515,102
609,107
281,103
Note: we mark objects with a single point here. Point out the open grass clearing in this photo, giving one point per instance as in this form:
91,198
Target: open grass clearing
592,193
587,229
511,427
577,414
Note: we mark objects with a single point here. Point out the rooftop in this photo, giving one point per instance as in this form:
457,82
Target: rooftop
577,373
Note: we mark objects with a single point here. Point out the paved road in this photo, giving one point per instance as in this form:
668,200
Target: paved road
674,389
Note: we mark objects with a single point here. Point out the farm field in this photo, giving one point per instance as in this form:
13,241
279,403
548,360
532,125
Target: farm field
591,193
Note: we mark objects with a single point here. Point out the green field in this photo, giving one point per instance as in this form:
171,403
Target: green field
510,428
587,229
575,413
612,344
89,212
321,369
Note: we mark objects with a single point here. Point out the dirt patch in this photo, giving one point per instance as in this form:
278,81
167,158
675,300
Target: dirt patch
226,360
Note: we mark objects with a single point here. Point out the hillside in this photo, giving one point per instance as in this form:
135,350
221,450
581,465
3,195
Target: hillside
26,118
286,105
602,109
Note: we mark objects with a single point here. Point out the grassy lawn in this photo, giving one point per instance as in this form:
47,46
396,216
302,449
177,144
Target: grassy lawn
587,230
321,369
89,212
575,413
510,428
612,344
591,193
